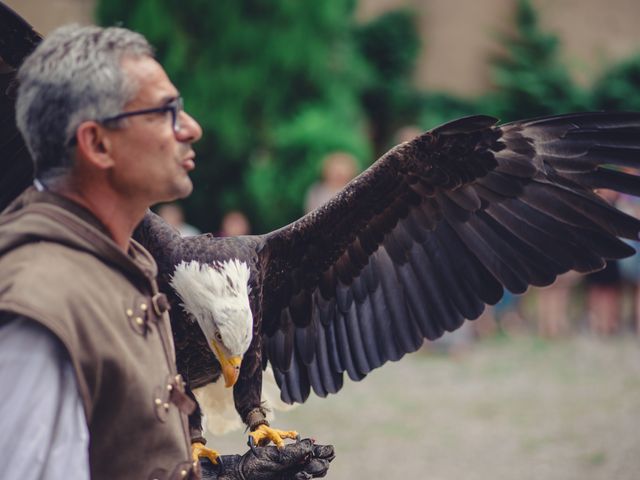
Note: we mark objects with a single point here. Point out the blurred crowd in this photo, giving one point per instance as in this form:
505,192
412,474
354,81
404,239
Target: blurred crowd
234,222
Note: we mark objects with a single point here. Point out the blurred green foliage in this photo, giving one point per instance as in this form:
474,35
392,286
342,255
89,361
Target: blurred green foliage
275,85
278,84
619,87
390,44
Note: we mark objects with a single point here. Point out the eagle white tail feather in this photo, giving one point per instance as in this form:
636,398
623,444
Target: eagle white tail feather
216,402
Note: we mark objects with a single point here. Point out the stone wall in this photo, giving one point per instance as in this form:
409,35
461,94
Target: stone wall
45,15
458,35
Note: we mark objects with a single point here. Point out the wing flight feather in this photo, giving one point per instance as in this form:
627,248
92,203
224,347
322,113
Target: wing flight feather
436,229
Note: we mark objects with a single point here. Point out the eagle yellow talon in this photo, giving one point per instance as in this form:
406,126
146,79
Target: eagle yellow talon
198,450
265,434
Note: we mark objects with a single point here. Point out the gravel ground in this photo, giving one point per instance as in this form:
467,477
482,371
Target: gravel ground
509,408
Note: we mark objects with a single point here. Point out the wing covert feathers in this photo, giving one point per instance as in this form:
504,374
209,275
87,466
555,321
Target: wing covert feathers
437,229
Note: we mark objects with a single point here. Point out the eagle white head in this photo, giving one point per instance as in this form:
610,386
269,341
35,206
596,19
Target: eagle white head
217,297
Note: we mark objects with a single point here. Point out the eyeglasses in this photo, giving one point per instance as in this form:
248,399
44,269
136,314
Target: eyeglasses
175,106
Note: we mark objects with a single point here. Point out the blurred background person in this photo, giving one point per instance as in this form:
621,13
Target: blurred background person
338,169
508,313
173,214
630,267
552,306
406,133
604,299
234,223
604,290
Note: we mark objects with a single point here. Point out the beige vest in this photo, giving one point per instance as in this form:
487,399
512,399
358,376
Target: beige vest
62,271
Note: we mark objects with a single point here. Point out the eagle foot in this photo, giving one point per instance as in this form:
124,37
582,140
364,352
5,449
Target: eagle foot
264,434
252,444
198,450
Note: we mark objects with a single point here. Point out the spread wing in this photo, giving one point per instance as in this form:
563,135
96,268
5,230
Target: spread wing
17,40
433,231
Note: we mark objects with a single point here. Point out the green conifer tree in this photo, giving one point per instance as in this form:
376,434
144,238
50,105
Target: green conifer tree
618,88
531,78
390,44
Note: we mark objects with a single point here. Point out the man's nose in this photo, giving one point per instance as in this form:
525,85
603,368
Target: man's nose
190,130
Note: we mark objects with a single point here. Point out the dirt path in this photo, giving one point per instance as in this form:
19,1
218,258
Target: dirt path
518,408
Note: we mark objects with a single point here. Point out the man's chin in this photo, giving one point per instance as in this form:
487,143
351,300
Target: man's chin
187,191
180,191
184,187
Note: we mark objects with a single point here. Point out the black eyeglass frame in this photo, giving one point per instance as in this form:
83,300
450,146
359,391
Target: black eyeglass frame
175,106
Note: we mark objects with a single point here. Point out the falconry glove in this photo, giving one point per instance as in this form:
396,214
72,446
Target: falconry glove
296,461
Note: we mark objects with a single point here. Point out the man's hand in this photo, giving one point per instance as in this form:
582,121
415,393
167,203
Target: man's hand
296,461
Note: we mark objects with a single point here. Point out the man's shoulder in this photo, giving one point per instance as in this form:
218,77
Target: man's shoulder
53,283
43,255
44,264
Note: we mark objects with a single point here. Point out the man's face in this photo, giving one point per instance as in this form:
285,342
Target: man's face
151,160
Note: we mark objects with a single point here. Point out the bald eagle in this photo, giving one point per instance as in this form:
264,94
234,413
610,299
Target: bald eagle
418,243
410,249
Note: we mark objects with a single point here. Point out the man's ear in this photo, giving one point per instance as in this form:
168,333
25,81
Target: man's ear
93,144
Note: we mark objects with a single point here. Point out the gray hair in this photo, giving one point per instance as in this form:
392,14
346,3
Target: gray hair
73,76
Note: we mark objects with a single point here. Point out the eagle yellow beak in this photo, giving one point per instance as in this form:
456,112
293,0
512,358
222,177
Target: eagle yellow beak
231,371
230,366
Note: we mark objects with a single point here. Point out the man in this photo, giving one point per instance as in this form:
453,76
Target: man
87,365
84,321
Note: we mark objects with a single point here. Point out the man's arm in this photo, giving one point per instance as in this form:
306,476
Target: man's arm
44,433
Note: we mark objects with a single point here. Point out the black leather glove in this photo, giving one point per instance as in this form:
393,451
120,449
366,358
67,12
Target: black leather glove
296,461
